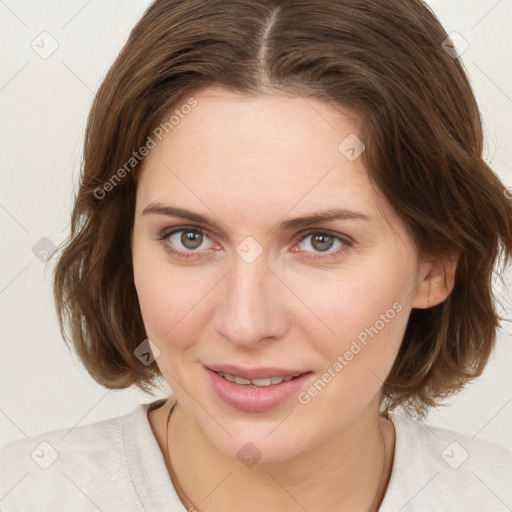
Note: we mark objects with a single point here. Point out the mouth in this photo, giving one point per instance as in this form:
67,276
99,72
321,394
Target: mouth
258,389
258,383
252,374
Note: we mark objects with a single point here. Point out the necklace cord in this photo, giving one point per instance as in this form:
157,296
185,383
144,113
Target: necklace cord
181,493
193,507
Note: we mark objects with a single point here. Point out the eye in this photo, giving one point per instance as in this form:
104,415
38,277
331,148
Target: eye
190,238
324,241
189,242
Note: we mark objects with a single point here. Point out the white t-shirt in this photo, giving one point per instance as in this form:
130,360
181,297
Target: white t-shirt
116,465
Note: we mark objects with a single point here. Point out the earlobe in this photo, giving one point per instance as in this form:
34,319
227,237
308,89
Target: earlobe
438,282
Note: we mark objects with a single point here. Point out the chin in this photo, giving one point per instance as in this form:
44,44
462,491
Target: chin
258,447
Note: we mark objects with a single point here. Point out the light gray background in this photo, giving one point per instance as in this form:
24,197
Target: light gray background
44,103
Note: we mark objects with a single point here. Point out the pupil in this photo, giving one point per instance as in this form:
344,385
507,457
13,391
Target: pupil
191,240
323,246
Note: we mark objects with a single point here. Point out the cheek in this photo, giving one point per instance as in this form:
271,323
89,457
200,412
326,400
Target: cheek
368,316
366,312
169,298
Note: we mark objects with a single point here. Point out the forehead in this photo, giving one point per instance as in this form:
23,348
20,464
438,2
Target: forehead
258,158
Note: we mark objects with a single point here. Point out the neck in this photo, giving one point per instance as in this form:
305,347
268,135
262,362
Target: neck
346,472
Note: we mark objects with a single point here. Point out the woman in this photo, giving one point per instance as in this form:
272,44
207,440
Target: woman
284,212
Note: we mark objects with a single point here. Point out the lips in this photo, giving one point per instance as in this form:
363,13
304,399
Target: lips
259,396
256,373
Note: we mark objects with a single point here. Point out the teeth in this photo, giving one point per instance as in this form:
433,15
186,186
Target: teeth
255,382
263,382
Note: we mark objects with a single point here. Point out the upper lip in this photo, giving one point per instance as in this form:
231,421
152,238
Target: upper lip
255,373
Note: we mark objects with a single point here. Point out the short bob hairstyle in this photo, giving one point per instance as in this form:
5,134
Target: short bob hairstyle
388,63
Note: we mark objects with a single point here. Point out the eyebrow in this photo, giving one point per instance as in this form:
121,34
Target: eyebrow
307,220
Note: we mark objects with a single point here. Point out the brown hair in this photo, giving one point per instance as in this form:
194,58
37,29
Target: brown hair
384,61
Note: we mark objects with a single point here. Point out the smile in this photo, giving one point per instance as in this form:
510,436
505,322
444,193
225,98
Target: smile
260,383
259,390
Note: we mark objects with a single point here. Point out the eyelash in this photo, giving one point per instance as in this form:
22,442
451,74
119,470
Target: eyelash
193,254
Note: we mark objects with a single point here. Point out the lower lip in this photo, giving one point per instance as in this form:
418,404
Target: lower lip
254,399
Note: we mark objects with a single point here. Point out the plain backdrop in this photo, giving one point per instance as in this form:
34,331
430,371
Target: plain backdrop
44,102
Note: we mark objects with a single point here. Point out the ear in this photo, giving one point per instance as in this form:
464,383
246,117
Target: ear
437,282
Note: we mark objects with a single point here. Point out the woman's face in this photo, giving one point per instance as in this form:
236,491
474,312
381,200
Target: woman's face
254,292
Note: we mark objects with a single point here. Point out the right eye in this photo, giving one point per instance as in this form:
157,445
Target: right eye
189,238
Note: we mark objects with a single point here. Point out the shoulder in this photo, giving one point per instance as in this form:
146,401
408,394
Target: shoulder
440,469
77,464
455,450
83,443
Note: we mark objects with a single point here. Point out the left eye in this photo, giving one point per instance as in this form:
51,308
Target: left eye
322,242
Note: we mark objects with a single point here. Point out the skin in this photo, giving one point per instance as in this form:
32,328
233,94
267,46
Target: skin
249,163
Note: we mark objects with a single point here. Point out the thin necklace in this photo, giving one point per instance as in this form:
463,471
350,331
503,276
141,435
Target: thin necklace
191,507
179,490
376,505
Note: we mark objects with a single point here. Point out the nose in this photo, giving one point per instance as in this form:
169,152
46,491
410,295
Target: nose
253,306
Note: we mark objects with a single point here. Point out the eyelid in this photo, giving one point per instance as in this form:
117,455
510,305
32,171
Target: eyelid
340,236
176,229
166,233
346,243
